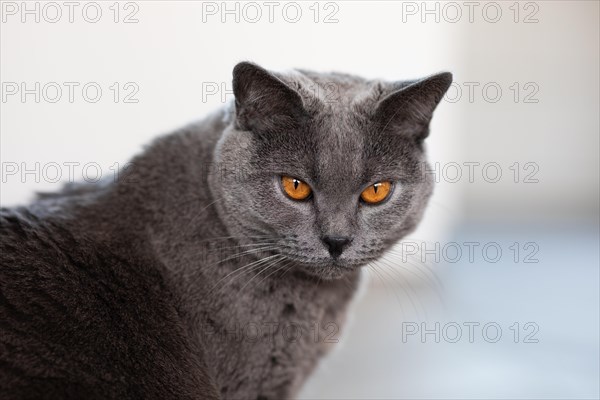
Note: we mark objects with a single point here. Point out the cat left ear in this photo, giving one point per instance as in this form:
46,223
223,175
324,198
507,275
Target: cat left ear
409,109
263,102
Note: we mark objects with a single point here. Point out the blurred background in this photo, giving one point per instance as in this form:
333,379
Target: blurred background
497,294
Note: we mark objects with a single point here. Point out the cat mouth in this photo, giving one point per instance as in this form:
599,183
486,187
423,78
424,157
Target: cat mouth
333,269
333,262
326,267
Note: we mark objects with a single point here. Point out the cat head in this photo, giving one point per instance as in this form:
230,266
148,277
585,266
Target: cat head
325,169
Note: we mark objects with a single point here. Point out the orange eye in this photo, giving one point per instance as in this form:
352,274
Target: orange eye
295,188
376,193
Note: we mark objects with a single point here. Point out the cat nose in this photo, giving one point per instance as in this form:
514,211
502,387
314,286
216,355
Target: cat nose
336,244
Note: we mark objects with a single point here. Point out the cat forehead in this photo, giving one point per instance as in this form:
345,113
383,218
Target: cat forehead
333,90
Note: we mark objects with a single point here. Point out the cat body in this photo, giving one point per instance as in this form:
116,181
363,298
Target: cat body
192,275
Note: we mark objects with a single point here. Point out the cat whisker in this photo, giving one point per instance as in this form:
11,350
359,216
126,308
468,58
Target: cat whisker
287,270
241,270
372,267
418,263
241,246
275,271
400,280
430,284
236,237
201,211
416,271
270,265
241,254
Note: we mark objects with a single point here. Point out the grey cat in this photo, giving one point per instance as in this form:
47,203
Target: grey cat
223,258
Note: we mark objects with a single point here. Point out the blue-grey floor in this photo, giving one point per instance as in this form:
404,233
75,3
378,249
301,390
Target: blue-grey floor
556,355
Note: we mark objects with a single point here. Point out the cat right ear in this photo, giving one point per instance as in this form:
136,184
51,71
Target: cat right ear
263,102
409,109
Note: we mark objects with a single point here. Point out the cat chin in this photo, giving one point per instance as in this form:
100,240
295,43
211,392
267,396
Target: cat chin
328,271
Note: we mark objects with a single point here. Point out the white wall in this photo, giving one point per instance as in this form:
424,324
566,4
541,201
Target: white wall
558,54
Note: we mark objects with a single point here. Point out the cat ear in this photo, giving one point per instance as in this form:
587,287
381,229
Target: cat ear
263,102
409,109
